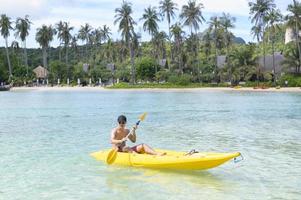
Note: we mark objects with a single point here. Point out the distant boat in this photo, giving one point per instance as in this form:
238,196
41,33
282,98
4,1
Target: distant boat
5,88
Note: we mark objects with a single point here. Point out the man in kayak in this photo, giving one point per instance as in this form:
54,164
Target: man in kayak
119,137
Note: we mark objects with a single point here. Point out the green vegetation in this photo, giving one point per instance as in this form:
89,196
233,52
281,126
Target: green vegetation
163,85
173,59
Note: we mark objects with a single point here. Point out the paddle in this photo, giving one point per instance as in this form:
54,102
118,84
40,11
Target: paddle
112,155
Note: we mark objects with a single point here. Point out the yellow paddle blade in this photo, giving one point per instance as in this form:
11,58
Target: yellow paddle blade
111,157
142,117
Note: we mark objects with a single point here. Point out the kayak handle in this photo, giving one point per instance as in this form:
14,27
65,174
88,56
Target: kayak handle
238,159
191,152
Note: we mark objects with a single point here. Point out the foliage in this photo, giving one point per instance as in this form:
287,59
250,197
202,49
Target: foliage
183,79
292,80
146,68
191,56
100,71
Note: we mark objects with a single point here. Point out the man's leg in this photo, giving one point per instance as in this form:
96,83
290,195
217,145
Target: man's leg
147,149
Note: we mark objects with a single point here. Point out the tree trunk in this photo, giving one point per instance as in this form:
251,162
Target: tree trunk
263,41
171,53
197,55
86,57
274,68
60,53
8,60
132,62
44,57
66,60
298,45
25,57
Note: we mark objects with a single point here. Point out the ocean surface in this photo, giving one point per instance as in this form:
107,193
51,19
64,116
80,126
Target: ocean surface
46,138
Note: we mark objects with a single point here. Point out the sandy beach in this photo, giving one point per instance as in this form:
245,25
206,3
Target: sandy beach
249,89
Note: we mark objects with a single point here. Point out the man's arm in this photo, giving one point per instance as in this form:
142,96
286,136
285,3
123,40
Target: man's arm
113,140
132,137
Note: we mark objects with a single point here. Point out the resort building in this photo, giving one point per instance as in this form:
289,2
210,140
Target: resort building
41,73
267,67
290,35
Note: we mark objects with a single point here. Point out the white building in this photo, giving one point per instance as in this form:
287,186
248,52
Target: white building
289,35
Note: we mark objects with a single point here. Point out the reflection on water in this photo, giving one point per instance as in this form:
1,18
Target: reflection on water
46,138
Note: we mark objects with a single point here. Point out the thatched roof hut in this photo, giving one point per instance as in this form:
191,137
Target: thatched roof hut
40,72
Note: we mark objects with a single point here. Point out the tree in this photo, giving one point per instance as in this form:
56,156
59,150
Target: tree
44,36
192,17
58,29
22,31
207,44
150,24
105,33
291,56
151,19
227,22
258,10
146,68
5,27
272,18
65,37
294,21
178,35
126,27
74,46
167,9
83,34
214,27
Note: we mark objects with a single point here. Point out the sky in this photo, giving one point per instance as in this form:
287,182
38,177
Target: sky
101,12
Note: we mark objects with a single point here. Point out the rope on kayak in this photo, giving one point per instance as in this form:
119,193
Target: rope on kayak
191,152
236,160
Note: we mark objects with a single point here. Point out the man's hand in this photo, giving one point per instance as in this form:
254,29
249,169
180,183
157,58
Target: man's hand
123,140
135,127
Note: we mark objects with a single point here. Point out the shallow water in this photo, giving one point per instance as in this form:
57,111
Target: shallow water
46,138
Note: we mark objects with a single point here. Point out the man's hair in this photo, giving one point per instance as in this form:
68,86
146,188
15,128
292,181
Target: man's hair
121,118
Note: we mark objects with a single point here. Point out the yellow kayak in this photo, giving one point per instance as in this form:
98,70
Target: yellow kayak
172,159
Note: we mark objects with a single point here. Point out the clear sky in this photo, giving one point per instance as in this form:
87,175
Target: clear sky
101,12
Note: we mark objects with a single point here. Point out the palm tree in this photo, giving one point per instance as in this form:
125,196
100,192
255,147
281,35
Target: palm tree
158,41
59,28
83,34
74,46
192,15
15,50
207,44
65,37
109,51
126,27
294,21
214,27
272,19
167,9
22,31
258,10
5,27
105,33
44,36
151,20
291,58
178,35
257,33
227,22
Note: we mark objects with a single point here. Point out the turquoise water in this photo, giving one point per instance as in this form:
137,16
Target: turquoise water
46,138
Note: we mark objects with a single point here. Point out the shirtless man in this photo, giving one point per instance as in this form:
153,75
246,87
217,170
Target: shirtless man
118,139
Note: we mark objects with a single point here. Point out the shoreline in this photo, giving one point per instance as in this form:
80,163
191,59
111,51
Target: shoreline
87,88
